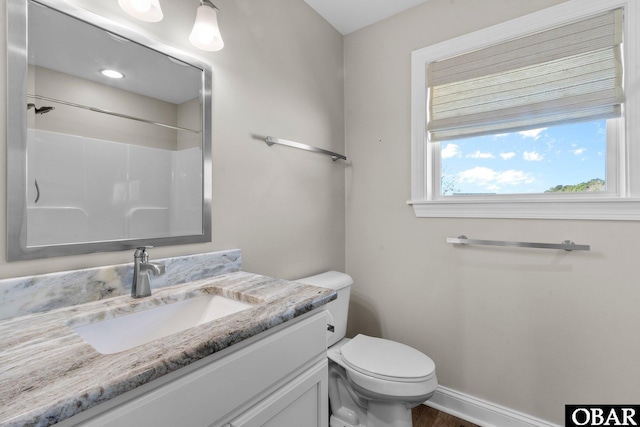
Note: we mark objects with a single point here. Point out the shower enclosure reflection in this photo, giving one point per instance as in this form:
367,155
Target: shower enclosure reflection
103,163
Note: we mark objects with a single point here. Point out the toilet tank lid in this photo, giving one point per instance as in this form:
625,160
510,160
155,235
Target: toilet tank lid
330,279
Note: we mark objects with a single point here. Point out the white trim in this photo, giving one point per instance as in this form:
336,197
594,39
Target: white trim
604,209
622,204
481,412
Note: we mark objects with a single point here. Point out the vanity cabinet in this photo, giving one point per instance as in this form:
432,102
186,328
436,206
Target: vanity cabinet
277,378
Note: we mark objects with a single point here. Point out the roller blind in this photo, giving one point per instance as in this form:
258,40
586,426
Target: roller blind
566,74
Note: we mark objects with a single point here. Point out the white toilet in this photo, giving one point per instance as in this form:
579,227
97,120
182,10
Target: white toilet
373,382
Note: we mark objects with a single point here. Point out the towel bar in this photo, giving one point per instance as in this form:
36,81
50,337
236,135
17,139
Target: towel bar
271,140
567,245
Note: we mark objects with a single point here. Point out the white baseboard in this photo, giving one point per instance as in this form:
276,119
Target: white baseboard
481,412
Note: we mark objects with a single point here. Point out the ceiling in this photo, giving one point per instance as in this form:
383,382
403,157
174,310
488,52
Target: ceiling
351,15
68,45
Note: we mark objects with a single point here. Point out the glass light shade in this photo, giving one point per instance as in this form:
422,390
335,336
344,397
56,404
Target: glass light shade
144,10
206,34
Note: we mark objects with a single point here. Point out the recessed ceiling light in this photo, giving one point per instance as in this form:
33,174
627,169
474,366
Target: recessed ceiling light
112,73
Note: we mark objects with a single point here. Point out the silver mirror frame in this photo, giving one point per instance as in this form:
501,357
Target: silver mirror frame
17,59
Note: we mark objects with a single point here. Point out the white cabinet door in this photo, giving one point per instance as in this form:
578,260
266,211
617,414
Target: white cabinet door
302,402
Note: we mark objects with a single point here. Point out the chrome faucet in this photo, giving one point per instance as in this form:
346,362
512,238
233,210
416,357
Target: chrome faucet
141,285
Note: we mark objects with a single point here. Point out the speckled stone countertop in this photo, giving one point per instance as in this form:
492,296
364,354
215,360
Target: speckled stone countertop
48,373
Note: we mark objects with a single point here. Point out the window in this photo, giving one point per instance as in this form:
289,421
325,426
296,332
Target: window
527,119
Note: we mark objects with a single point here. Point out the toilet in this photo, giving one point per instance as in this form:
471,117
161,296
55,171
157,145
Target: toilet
373,382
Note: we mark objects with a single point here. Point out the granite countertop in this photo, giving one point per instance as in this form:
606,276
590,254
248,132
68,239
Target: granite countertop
48,373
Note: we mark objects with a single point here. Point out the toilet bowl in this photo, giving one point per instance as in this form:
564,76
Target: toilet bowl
373,382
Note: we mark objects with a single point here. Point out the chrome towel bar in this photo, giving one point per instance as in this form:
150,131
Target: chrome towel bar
567,245
334,156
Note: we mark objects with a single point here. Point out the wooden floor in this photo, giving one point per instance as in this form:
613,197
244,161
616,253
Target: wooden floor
424,416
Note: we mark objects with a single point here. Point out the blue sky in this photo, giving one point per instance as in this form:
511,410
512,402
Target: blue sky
526,162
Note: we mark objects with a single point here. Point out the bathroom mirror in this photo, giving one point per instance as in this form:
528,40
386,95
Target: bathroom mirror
108,136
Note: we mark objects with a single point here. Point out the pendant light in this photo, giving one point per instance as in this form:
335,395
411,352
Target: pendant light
144,10
206,33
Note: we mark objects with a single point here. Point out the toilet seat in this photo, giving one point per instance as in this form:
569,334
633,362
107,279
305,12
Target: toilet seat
387,360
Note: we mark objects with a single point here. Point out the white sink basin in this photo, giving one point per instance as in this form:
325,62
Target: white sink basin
131,330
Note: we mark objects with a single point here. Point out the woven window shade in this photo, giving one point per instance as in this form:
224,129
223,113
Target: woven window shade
566,74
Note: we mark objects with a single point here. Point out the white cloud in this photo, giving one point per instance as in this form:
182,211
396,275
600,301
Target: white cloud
513,177
579,151
493,180
533,133
507,156
480,155
532,156
451,150
478,175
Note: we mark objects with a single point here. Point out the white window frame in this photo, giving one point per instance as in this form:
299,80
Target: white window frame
623,159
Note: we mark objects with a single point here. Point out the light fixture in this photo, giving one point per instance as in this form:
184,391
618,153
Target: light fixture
144,10
206,33
112,74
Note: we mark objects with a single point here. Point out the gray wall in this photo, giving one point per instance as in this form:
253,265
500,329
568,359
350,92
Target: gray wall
280,74
528,329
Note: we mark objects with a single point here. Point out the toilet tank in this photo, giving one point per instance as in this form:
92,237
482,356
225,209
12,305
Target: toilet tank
338,309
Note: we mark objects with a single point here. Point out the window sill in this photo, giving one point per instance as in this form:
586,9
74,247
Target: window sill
609,209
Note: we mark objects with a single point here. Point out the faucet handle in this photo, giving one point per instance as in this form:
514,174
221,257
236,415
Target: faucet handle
141,252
